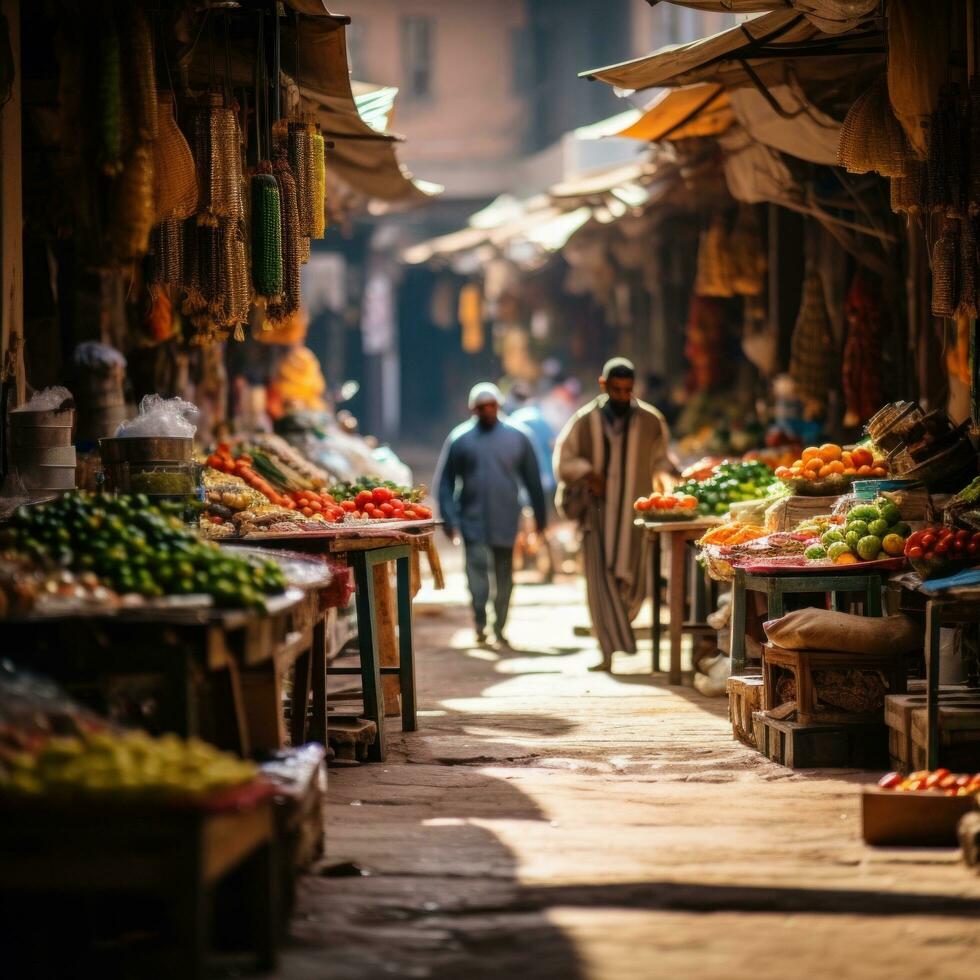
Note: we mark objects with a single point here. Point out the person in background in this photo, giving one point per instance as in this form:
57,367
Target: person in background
527,415
606,456
484,464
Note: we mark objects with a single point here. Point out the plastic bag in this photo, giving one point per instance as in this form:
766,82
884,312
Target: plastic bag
96,356
161,417
48,400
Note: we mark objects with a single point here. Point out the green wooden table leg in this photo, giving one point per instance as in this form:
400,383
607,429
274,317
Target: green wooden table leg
406,650
776,601
367,642
738,623
656,599
872,602
933,622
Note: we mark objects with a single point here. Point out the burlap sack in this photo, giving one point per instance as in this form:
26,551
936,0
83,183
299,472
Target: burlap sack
823,629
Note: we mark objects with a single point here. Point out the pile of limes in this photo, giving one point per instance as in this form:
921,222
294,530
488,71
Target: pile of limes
870,532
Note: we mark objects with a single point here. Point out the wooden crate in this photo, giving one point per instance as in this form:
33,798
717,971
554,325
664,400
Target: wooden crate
959,736
802,664
912,819
744,698
798,746
899,710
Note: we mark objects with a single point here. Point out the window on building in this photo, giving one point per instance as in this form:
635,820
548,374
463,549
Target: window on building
417,56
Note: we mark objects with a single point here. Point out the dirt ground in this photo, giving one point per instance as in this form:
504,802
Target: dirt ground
550,822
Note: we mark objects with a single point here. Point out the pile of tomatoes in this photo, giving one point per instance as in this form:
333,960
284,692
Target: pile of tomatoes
241,466
941,780
943,544
377,504
665,502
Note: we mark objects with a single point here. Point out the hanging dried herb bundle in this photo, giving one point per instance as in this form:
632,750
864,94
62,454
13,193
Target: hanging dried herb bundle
132,205
167,253
174,173
871,138
292,247
191,277
749,262
140,63
216,146
110,94
966,303
301,162
266,234
945,255
319,185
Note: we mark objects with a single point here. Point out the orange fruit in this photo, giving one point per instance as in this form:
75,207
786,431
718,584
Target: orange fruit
782,471
836,466
811,452
864,470
846,458
830,451
824,471
846,559
879,471
862,457
850,471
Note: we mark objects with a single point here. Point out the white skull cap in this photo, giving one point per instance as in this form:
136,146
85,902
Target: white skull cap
484,392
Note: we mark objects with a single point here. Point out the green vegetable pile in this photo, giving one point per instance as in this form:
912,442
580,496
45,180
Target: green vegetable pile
136,547
729,483
871,532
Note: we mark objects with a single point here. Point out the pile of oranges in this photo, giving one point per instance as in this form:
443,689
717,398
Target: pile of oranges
821,462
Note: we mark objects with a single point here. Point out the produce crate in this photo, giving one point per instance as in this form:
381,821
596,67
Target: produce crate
904,754
923,819
786,513
959,735
744,697
799,746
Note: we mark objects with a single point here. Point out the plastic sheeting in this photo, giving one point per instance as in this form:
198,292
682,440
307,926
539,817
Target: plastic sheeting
764,44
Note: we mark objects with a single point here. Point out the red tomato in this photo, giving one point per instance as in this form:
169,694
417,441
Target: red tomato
962,535
942,546
306,512
914,552
387,509
409,514
892,779
381,495
972,548
641,503
364,497
928,540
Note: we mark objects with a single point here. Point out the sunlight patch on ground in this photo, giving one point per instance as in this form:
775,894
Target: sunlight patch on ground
478,653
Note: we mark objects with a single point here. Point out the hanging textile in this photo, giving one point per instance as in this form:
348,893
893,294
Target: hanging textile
715,268
748,251
861,363
812,353
704,343
471,318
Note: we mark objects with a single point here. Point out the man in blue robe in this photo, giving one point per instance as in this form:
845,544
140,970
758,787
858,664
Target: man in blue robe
484,464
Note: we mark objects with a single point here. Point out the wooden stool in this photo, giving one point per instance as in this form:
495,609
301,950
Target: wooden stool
803,663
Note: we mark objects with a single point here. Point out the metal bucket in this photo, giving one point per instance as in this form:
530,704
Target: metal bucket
148,449
26,456
39,436
45,477
30,420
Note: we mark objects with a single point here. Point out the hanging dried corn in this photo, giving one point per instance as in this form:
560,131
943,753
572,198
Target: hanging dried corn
266,234
319,185
110,94
174,174
973,152
167,253
132,205
292,247
944,262
216,144
140,65
239,295
966,303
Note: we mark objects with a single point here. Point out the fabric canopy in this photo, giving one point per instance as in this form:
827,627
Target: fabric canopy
676,114
797,128
831,16
757,50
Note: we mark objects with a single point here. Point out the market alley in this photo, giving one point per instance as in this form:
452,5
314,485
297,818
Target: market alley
546,821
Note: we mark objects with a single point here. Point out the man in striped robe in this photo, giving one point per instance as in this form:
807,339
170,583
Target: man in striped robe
607,456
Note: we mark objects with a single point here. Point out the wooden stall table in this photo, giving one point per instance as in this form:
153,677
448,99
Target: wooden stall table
679,536
777,585
202,655
174,853
940,612
368,550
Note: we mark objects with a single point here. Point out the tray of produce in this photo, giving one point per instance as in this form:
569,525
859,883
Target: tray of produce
768,566
659,507
829,470
872,531
138,548
729,483
942,549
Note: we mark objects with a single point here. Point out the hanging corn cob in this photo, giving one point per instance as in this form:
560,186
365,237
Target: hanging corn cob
239,296
132,205
319,185
292,247
110,95
140,64
266,234
944,263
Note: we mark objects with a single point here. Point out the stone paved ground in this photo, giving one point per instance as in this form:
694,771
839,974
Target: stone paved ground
548,822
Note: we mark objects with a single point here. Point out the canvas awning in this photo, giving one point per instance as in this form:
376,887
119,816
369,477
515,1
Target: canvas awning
831,16
758,52
683,113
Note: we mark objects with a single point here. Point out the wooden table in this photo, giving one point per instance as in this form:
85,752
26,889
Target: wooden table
678,534
383,653
940,612
209,661
776,585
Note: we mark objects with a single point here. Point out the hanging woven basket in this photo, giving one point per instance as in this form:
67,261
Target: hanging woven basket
175,188
871,138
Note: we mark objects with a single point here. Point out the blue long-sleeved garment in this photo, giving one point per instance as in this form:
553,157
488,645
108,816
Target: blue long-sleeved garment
478,482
